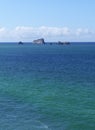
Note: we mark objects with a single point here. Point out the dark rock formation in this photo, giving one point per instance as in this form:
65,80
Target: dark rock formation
63,43
39,41
20,43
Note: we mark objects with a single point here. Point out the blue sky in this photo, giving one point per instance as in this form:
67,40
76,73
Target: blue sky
66,20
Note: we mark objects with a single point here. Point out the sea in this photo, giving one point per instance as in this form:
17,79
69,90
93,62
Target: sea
47,87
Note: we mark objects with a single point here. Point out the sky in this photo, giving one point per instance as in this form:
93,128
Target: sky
53,20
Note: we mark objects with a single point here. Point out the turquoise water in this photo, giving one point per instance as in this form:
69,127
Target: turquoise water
47,87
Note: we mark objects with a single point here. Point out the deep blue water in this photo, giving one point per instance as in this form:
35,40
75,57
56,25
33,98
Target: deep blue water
47,87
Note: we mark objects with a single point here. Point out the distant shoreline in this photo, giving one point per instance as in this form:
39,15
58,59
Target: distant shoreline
13,42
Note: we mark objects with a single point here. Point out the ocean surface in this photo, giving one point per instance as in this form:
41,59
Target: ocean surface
47,87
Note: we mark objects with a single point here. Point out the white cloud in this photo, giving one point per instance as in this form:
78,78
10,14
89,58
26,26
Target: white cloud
41,31
83,31
53,31
2,31
25,33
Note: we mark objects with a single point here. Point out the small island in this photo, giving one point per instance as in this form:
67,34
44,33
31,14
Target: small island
42,41
63,43
39,41
20,43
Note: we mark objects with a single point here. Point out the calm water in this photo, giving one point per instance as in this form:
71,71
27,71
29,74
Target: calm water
47,87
